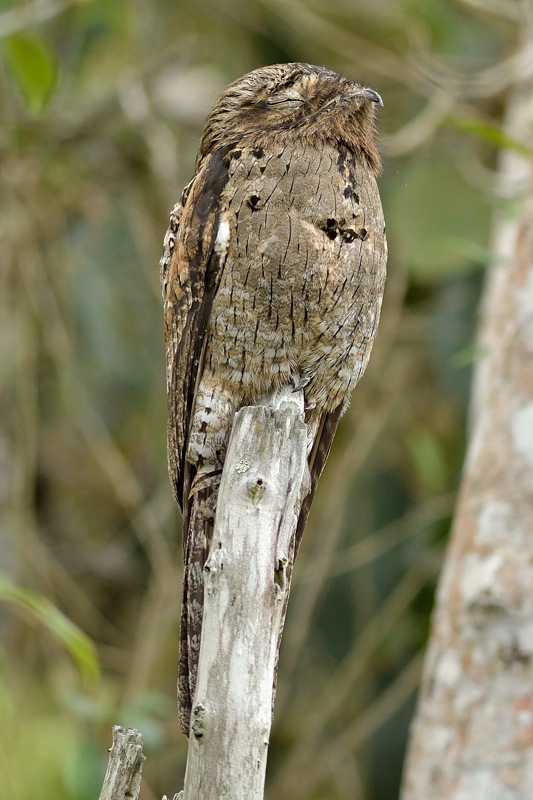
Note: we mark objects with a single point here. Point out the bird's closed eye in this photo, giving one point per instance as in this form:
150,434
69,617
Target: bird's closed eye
288,97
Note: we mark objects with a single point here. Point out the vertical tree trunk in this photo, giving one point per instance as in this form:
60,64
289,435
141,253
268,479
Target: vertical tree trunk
473,735
246,588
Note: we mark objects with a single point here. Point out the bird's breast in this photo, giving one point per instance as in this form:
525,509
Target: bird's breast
302,235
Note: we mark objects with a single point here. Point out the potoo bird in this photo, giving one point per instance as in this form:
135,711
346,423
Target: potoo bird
272,274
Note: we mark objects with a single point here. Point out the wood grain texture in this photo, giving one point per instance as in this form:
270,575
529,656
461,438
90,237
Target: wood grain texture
247,576
122,780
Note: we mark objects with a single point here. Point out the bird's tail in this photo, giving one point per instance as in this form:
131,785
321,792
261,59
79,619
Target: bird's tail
198,526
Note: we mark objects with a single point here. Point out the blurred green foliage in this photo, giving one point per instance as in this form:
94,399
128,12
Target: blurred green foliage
69,635
101,110
33,66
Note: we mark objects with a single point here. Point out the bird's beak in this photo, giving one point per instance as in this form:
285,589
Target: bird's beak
372,95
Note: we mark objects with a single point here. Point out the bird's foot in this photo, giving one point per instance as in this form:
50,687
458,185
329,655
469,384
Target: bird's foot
299,383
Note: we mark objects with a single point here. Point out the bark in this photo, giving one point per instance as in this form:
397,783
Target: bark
473,734
246,588
247,583
123,776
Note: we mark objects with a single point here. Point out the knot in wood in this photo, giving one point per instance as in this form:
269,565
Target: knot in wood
198,719
256,490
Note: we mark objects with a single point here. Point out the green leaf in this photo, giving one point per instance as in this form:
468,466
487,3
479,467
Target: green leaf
34,68
468,355
71,637
488,132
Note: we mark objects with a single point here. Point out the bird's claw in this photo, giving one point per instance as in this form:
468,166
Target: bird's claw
299,384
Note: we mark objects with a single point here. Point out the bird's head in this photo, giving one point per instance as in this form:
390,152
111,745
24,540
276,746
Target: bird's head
300,99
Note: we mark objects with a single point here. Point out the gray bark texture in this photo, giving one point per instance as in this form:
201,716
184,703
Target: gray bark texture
246,589
123,776
473,734
247,579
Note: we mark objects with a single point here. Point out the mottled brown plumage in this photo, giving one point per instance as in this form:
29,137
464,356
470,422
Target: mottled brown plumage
272,274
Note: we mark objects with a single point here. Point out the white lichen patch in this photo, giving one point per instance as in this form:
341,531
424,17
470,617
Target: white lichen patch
525,637
479,578
481,782
494,522
525,303
449,671
522,432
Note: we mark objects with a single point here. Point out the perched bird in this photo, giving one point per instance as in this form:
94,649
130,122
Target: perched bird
272,274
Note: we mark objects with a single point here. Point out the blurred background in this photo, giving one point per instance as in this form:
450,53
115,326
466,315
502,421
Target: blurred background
101,108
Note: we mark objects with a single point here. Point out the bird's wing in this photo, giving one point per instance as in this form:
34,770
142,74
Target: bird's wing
190,272
316,461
